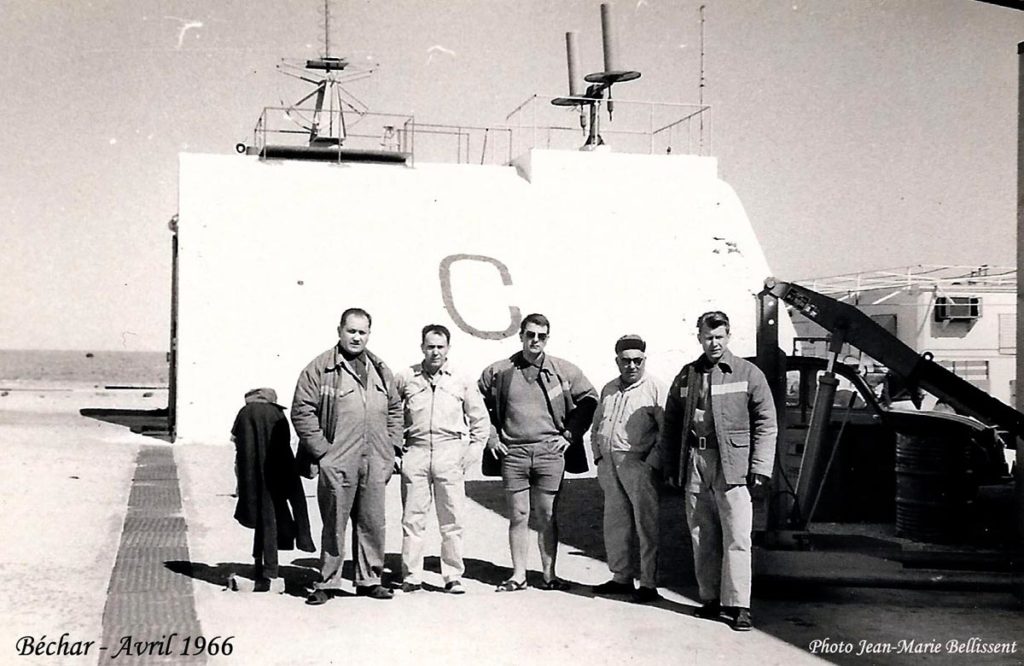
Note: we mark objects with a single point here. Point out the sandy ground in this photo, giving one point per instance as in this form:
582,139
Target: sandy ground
66,479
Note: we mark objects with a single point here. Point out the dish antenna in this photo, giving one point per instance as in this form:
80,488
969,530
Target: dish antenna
600,82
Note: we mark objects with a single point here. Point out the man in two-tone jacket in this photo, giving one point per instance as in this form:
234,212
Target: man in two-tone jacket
348,416
718,443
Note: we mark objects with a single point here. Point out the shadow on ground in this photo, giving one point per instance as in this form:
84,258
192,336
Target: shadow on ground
793,611
150,422
297,579
580,507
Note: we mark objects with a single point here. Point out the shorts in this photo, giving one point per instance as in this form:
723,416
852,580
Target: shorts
533,466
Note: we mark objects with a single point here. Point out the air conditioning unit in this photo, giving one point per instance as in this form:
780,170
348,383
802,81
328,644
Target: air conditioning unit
957,308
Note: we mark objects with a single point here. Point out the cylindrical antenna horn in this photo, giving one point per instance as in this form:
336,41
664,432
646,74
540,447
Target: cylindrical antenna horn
572,54
608,34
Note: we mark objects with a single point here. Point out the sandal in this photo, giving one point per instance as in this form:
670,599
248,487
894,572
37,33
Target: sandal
556,584
510,586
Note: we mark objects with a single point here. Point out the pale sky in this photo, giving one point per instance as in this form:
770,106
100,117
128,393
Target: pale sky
858,134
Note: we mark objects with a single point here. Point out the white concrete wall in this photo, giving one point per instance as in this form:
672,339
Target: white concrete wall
604,244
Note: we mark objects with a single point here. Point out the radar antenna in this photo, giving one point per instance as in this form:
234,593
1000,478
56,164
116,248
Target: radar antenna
328,75
601,82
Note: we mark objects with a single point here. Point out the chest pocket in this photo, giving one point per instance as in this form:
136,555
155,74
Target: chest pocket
448,409
344,393
417,402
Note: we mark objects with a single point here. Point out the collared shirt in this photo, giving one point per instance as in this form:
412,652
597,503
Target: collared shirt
357,363
703,424
441,408
628,418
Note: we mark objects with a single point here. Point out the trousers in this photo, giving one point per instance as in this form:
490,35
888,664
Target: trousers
721,520
630,517
362,497
433,475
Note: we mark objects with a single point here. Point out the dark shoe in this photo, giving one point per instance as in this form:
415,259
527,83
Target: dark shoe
454,587
741,620
556,584
317,598
238,584
646,595
374,592
709,610
408,588
614,587
510,586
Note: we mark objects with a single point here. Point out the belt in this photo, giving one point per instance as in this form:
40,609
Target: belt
702,443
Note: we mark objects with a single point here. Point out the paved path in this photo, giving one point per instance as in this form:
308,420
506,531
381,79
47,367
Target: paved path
150,616
97,547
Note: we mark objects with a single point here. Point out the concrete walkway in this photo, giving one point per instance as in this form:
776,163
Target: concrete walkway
534,626
72,565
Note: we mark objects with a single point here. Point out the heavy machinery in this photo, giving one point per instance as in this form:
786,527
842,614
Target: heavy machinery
855,460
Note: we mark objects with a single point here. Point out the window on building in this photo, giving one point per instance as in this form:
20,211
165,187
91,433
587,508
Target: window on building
1007,333
976,372
957,308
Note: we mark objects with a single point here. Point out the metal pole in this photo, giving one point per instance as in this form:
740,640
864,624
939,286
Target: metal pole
1019,386
572,55
770,361
611,48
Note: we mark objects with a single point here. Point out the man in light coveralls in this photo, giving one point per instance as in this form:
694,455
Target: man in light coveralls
445,420
626,425
720,431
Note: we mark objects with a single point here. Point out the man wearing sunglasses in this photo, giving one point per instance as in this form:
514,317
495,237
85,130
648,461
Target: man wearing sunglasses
626,425
718,442
540,407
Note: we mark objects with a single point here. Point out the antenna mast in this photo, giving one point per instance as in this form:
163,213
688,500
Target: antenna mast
327,86
600,81
700,87
327,28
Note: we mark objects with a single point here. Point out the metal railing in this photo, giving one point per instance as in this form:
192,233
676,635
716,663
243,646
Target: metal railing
641,127
924,276
291,126
636,127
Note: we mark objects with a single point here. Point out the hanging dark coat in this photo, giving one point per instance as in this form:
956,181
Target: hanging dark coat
271,499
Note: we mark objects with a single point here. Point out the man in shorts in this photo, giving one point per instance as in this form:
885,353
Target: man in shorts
540,406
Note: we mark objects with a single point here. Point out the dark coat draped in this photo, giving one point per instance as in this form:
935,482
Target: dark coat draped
270,495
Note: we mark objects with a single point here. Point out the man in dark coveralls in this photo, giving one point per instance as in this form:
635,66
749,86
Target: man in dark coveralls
267,484
348,416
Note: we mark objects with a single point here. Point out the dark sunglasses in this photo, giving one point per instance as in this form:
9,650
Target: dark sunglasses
530,335
632,361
